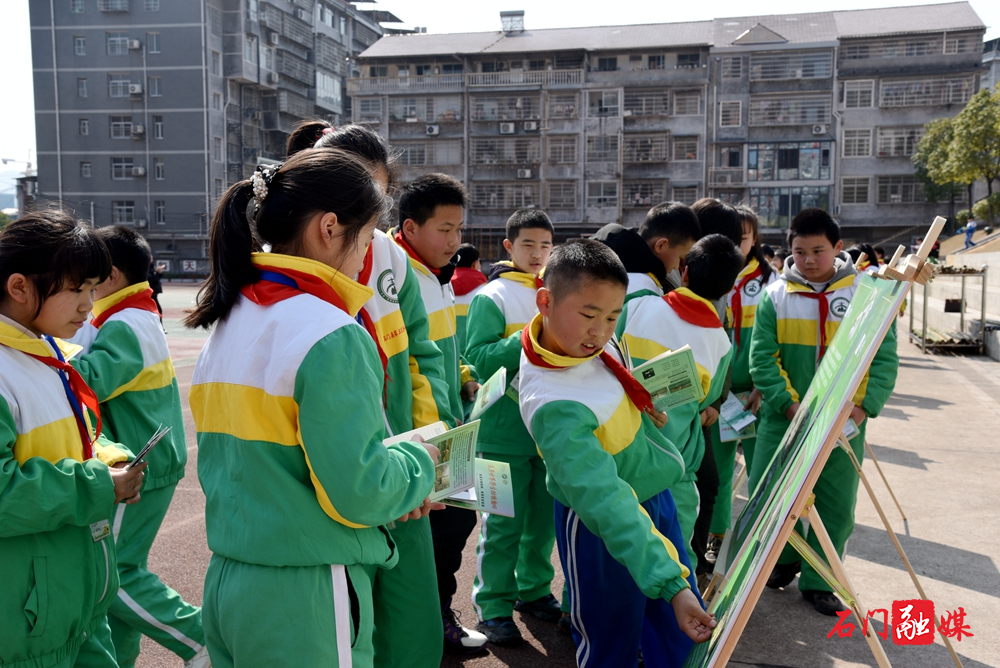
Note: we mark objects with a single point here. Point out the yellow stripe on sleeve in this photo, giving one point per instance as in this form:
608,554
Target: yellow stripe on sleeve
392,333
513,328
324,499
671,550
425,408
152,377
244,412
620,429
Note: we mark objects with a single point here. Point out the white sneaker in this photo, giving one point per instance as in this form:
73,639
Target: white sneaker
199,660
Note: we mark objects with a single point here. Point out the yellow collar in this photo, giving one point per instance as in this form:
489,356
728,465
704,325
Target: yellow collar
686,292
749,269
656,281
560,361
353,293
845,282
26,342
521,277
103,304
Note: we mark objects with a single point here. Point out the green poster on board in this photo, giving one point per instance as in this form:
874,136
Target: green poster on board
755,533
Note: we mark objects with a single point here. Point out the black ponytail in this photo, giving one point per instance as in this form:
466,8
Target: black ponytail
305,135
749,217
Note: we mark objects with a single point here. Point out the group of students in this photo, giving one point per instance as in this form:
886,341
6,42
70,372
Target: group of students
327,337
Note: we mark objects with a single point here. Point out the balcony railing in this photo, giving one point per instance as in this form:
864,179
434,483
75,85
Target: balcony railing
726,177
439,82
539,78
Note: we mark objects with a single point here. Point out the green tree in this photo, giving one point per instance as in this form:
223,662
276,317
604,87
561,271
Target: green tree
974,152
934,169
4,220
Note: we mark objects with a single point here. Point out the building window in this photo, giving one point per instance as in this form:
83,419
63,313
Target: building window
369,110
85,126
776,207
898,142
856,52
159,172
644,194
121,127
155,87
76,6
686,195
504,196
925,92
657,62
160,211
800,65
789,109
562,195
730,114
217,63
506,108
439,152
217,101
732,67
152,42
217,188
647,102
85,170
81,87
685,148
343,25
645,148
859,94
854,190
118,85
602,194
687,103
562,105
788,161
157,127
899,190
562,150
730,156
602,149
250,49
117,43
607,64
378,71
80,46
506,151
857,143
122,212
152,5
602,103
121,168
217,149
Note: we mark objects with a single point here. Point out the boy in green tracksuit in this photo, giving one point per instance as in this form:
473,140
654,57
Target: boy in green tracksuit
467,281
796,320
514,554
129,368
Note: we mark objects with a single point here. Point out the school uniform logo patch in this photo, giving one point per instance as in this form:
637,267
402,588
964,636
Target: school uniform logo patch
386,285
839,306
752,288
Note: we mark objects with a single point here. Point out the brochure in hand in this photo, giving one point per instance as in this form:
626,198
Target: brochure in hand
736,422
153,440
671,378
489,393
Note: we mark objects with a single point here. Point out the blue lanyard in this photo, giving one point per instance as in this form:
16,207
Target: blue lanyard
73,401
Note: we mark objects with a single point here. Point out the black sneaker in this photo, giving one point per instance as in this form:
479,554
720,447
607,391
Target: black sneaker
713,547
824,602
545,608
564,623
457,638
500,630
783,574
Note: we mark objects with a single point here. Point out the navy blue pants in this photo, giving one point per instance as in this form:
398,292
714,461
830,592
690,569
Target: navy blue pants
611,617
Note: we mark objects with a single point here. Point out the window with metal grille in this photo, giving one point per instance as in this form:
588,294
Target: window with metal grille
925,92
607,64
121,168
854,190
159,170
438,152
730,113
857,143
899,190
603,103
562,150
504,195
602,194
369,110
899,141
81,87
118,85
688,60
152,5
506,150
562,195
643,194
506,108
687,103
85,170
80,46
84,126
686,195
856,52
76,6
645,148
732,67
657,62
117,43
788,161
859,94
789,109
685,148
157,127
602,149
647,102
122,211
217,149
160,208
121,127
563,106
791,65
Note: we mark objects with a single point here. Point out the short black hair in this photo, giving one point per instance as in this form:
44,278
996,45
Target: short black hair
427,193
811,222
712,266
879,250
767,251
672,220
130,252
717,217
528,219
466,256
574,265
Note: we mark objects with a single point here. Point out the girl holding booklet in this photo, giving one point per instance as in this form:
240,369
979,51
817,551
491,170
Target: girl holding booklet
286,401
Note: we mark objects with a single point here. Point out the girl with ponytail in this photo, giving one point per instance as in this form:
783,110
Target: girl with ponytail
286,400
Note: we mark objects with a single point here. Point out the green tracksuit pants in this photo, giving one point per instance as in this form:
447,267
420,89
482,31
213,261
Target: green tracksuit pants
144,605
686,498
836,493
263,616
514,554
725,460
96,651
408,628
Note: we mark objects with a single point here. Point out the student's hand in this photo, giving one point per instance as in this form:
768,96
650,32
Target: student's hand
709,416
792,410
693,621
753,401
469,390
431,450
423,511
127,482
858,415
658,418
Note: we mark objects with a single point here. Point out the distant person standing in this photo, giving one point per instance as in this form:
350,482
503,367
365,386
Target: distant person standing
155,279
970,229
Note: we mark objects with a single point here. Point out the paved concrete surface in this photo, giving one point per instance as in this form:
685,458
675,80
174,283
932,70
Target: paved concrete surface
937,441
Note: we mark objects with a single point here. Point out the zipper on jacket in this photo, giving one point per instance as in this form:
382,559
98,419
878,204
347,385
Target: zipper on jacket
107,571
667,452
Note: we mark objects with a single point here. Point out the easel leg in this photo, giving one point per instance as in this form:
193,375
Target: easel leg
895,541
739,482
871,455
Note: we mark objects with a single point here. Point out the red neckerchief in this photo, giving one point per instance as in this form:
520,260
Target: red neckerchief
466,279
635,391
81,392
412,253
692,310
738,303
140,300
824,312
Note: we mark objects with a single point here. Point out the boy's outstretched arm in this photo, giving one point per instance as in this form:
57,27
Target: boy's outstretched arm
691,618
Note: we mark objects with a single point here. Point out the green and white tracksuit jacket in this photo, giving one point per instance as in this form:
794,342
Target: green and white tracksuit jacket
742,301
467,283
58,559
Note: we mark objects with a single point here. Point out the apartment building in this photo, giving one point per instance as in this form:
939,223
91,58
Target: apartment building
147,110
596,124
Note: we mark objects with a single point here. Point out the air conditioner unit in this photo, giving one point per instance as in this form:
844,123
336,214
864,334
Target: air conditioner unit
507,128
524,173
272,77
133,44
138,129
819,129
140,222
135,89
274,38
433,130
138,170
302,14
531,126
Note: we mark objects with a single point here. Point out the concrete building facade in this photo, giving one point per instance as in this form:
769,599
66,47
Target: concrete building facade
595,125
